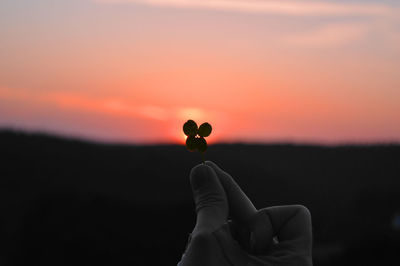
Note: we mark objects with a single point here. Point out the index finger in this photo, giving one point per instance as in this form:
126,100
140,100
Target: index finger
240,206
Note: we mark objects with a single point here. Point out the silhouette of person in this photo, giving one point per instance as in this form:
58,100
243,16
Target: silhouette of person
279,236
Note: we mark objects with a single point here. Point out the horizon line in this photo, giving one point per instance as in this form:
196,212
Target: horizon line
282,142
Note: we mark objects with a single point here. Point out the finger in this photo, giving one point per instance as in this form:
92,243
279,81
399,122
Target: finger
241,234
210,199
240,207
292,226
256,235
235,254
261,233
204,249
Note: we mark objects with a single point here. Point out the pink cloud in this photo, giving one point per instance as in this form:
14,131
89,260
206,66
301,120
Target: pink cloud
337,34
295,8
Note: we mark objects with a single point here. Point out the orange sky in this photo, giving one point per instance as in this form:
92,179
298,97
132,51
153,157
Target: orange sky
258,71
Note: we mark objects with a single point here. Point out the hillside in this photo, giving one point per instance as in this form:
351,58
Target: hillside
65,200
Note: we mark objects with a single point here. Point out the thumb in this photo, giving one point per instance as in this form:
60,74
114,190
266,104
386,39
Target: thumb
210,199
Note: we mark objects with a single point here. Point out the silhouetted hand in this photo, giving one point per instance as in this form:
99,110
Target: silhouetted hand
276,236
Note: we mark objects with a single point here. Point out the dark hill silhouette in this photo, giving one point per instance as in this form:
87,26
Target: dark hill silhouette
69,202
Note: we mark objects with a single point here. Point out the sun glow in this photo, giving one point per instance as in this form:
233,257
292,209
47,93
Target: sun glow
191,113
184,138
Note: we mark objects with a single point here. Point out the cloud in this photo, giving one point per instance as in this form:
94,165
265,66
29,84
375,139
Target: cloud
76,101
337,34
79,102
274,7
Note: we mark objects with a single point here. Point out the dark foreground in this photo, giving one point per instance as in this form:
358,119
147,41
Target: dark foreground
66,202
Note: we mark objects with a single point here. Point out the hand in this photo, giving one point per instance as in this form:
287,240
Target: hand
279,236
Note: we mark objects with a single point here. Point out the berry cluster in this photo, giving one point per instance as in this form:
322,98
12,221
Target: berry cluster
196,135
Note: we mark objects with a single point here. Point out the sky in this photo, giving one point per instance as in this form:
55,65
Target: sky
256,70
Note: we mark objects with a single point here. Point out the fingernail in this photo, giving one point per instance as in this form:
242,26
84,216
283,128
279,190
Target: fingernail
199,176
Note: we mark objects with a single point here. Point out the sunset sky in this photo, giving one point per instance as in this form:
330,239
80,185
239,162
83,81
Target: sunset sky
257,70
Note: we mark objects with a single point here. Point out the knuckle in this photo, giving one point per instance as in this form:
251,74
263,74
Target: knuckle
302,209
302,213
202,239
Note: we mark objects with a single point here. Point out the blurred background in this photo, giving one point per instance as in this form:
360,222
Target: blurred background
303,97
